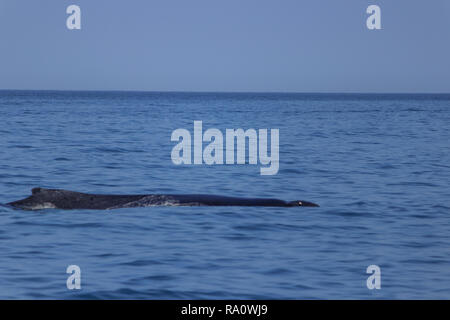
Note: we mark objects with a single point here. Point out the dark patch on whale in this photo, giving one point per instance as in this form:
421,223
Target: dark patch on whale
63,199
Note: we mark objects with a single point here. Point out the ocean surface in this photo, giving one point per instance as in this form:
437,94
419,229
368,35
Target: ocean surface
378,165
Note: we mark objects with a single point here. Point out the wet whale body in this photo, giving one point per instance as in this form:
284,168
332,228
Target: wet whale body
63,199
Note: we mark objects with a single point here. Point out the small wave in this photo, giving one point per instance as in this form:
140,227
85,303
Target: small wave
141,263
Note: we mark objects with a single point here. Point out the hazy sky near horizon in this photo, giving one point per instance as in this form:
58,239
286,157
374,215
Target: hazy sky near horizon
226,45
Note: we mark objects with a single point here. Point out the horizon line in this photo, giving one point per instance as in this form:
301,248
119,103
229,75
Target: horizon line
235,92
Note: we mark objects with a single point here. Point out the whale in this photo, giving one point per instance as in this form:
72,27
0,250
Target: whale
42,198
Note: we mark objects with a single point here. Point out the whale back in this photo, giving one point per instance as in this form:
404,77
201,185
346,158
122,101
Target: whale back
42,198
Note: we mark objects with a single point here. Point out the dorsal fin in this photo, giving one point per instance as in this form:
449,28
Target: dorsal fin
36,190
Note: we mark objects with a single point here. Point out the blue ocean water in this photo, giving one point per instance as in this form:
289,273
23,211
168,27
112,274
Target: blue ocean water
379,166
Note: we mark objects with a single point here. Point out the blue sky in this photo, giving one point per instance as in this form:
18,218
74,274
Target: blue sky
232,45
